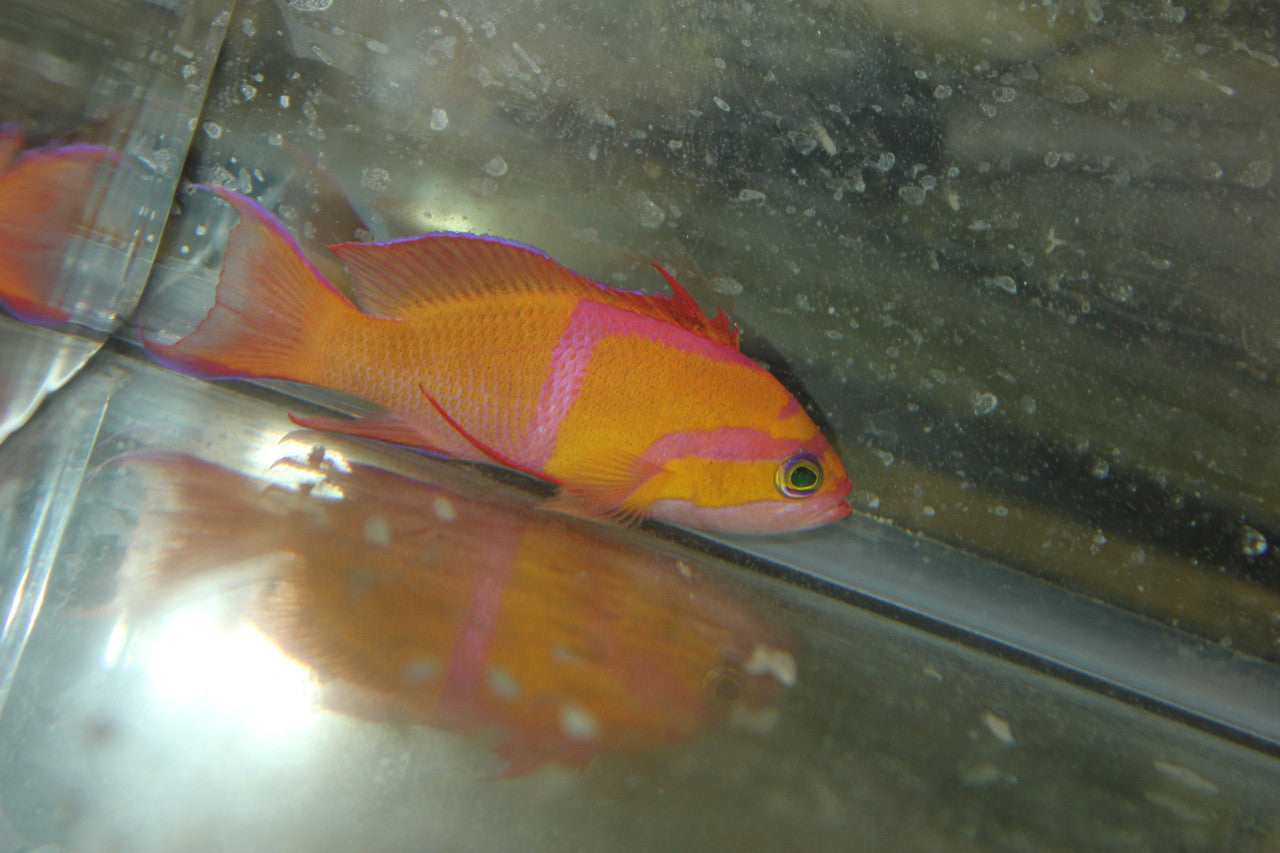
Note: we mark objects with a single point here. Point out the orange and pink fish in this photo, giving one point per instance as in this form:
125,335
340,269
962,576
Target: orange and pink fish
634,405
43,193
416,605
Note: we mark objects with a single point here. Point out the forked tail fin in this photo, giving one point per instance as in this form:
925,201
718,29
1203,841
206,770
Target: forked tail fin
271,309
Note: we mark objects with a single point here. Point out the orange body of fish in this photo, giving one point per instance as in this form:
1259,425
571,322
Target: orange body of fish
635,405
414,604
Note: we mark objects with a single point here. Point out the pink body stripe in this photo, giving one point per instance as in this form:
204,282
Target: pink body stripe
737,444
589,324
470,652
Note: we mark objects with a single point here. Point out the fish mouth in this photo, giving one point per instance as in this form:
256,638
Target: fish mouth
835,512
840,507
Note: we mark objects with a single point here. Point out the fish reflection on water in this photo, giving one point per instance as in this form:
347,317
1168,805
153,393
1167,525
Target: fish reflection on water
46,196
413,604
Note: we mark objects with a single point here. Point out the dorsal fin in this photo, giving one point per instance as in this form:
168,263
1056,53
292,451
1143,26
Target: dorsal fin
391,278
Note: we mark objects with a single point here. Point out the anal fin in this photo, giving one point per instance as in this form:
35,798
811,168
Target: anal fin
384,427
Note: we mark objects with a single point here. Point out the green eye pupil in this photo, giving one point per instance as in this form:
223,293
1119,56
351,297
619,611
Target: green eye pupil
803,477
799,476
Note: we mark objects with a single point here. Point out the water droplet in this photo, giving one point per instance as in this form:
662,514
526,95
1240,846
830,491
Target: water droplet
444,509
984,403
284,102
720,102
1002,282
375,178
726,285
750,195
577,722
912,195
1073,93
497,167
884,162
310,5
212,130
1256,175
802,142
377,531
942,92
1186,777
1099,468
1253,543
419,671
650,215
999,729
767,660
439,119
502,683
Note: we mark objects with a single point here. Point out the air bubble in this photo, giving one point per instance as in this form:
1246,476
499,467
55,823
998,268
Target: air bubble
726,285
649,214
375,179
984,403
1253,543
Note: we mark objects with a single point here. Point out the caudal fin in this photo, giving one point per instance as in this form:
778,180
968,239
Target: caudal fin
43,198
270,308
199,520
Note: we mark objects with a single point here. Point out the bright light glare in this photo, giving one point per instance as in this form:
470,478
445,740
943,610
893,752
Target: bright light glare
447,222
232,671
285,462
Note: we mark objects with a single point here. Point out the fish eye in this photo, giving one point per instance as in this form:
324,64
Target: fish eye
800,476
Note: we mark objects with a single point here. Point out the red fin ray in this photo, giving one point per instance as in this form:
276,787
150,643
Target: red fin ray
488,453
392,278
718,328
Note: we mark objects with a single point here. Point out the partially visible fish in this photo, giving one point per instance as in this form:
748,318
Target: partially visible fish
43,198
412,603
635,405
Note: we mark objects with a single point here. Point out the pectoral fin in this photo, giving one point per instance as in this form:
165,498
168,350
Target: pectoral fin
601,485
